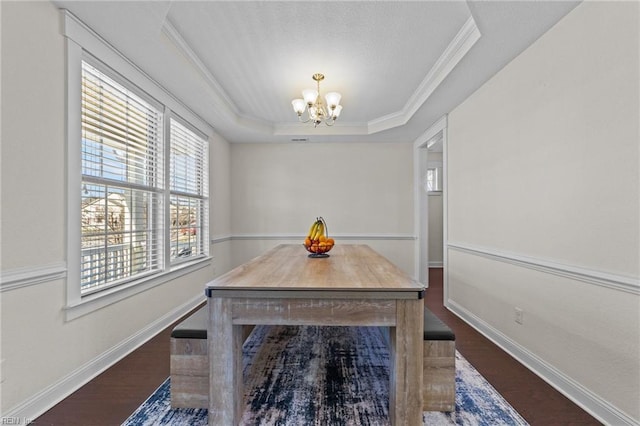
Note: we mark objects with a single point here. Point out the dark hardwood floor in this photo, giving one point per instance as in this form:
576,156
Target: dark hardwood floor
532,397
112,396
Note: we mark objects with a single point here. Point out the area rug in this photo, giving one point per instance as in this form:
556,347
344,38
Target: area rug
328,376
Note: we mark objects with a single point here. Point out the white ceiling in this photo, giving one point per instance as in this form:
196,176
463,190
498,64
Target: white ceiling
399,65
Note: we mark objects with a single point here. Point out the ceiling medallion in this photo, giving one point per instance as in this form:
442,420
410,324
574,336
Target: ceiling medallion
317,110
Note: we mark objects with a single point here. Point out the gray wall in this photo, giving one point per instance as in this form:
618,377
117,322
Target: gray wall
542,213
45,355
543,207
364,191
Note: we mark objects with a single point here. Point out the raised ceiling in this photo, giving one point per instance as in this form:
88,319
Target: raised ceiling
400,66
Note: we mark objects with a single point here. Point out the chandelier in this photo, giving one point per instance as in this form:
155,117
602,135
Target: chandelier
317,110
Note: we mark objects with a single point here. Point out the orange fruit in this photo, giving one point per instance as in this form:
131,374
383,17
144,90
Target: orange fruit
330,241
322,238
307,242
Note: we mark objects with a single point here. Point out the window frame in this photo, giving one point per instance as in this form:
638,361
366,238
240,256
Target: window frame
155,186
436,169
204,197
82,43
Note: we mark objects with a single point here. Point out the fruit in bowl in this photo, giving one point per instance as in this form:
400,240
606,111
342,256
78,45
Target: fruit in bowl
318,242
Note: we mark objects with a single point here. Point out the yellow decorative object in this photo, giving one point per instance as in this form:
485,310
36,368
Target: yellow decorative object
318,242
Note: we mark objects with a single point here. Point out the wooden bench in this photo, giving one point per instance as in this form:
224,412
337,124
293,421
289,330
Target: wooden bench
438,365
190,363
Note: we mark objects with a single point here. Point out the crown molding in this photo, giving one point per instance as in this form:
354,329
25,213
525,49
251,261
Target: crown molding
85,38
221,98
343,129
172,33
464,40
461,44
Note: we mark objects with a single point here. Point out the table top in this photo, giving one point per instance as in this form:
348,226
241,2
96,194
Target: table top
287,268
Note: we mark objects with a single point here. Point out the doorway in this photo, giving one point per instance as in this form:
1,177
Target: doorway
430,201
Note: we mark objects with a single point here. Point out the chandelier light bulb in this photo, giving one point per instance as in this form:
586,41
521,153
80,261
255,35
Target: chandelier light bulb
310,96
333,99
298,106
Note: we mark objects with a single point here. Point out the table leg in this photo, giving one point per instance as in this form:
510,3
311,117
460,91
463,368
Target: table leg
405,390
226,393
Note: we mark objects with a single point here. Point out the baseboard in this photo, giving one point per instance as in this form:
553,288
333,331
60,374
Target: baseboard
436,264
581,396
44,400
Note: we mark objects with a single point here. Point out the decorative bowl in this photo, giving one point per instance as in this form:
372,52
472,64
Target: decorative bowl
319,245
319,248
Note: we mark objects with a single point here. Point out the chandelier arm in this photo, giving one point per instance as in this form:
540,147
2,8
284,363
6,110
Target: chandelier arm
304,121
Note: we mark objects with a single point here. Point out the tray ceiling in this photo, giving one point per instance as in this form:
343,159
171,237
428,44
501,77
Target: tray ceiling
399,65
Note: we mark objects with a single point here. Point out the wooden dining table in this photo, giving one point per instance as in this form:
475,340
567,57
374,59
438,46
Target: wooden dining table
354,286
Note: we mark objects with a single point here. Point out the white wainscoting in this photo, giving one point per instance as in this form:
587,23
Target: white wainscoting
583,397
573,390
48,397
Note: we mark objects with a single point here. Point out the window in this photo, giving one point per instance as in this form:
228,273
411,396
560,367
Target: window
125,187
433,179
188,185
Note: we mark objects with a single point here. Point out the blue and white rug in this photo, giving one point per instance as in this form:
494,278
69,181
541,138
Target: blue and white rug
328,376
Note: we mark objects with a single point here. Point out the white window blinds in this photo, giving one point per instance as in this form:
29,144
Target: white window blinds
188,192
122,180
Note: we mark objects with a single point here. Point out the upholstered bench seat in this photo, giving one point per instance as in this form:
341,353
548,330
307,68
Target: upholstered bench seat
435,329
193,327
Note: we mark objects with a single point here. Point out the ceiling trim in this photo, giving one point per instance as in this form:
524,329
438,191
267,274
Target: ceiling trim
464,40
223,99
459,46
220,98
297,129
74,29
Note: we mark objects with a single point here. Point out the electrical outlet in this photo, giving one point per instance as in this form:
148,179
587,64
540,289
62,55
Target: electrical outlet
519,315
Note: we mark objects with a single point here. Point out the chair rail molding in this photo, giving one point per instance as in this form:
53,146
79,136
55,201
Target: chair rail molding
603,279
12,279
217,239
341,237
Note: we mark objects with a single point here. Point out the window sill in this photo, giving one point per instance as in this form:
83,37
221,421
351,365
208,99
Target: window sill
95,301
